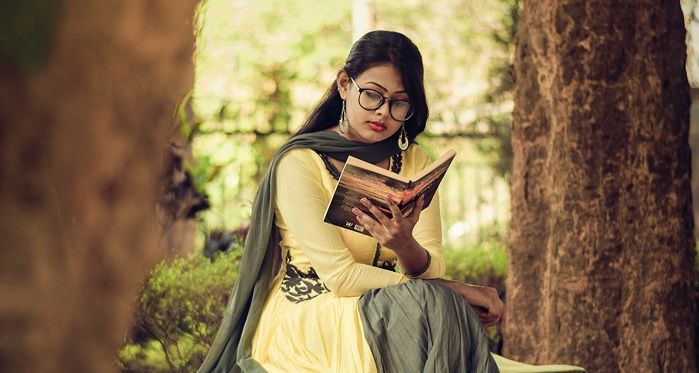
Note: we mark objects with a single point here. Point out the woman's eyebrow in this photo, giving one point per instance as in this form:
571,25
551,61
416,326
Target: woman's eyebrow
382,87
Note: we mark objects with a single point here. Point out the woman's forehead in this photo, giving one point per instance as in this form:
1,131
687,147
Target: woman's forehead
386,76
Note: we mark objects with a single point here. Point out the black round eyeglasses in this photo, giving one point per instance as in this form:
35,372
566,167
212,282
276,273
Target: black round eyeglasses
371,99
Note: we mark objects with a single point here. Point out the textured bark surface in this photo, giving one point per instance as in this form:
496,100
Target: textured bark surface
82,139
601,242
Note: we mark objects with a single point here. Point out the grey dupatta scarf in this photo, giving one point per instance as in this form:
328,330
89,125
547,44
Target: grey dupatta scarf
232,348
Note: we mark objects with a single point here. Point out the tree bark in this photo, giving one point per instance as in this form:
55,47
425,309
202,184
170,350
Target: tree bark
601,243
87,95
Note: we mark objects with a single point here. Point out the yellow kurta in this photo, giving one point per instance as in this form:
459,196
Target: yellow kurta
324,333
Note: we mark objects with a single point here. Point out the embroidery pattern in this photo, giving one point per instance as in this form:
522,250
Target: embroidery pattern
389,265
300,286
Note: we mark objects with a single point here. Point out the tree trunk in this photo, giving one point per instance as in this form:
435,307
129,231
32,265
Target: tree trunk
601,242
87,94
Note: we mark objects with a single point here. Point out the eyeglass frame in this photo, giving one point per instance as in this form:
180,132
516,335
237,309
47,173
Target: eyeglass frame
383,100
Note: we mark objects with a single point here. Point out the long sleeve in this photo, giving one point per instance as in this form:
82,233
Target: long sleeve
301,202
428,230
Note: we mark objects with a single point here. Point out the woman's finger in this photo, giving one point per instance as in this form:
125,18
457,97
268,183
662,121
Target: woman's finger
378,214
397,214
371,225
491,317
415,214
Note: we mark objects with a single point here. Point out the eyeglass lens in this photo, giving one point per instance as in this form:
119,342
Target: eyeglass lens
370,99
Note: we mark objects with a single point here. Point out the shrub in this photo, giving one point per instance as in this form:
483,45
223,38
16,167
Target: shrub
178,312
481,264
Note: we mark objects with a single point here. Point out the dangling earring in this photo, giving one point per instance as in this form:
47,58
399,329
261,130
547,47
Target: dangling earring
344,124
403,139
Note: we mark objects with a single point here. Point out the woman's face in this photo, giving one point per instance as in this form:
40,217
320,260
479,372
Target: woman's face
370,126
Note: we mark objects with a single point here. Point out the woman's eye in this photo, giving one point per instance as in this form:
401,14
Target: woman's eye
374,95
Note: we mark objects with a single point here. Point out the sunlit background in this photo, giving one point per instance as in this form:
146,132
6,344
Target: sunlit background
259,73
262,66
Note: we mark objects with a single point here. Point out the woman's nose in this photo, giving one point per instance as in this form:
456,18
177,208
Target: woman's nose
384,109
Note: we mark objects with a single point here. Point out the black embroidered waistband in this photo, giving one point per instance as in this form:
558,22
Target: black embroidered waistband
299,286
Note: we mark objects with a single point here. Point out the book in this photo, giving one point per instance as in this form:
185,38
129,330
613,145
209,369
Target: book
362,179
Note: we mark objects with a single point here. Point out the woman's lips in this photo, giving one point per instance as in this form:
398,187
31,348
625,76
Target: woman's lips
377,126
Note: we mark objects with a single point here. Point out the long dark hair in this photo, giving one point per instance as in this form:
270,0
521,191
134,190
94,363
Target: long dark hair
373,49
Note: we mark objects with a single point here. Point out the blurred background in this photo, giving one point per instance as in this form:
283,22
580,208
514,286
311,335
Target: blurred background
259,69
109,106
258,75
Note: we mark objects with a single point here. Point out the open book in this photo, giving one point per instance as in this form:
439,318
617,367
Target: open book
362,179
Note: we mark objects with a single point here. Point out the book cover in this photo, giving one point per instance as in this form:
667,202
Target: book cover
362,179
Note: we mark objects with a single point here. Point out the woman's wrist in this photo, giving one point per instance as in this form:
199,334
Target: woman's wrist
424,269
414,259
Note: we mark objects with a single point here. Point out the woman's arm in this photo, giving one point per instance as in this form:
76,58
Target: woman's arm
419,241
301,202
396,233
428,232
484,300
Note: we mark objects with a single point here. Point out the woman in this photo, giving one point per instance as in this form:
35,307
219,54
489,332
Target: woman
331,300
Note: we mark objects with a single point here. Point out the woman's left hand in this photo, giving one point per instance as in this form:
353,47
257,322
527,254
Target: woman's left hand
395,232
483,299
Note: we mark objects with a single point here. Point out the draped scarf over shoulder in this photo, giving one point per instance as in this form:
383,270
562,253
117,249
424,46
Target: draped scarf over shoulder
232,348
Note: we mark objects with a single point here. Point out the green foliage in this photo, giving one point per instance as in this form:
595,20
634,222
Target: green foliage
482,264
178,312
261,66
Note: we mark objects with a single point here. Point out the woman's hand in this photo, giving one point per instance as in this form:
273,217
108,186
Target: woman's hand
494,314
484,300
396,232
